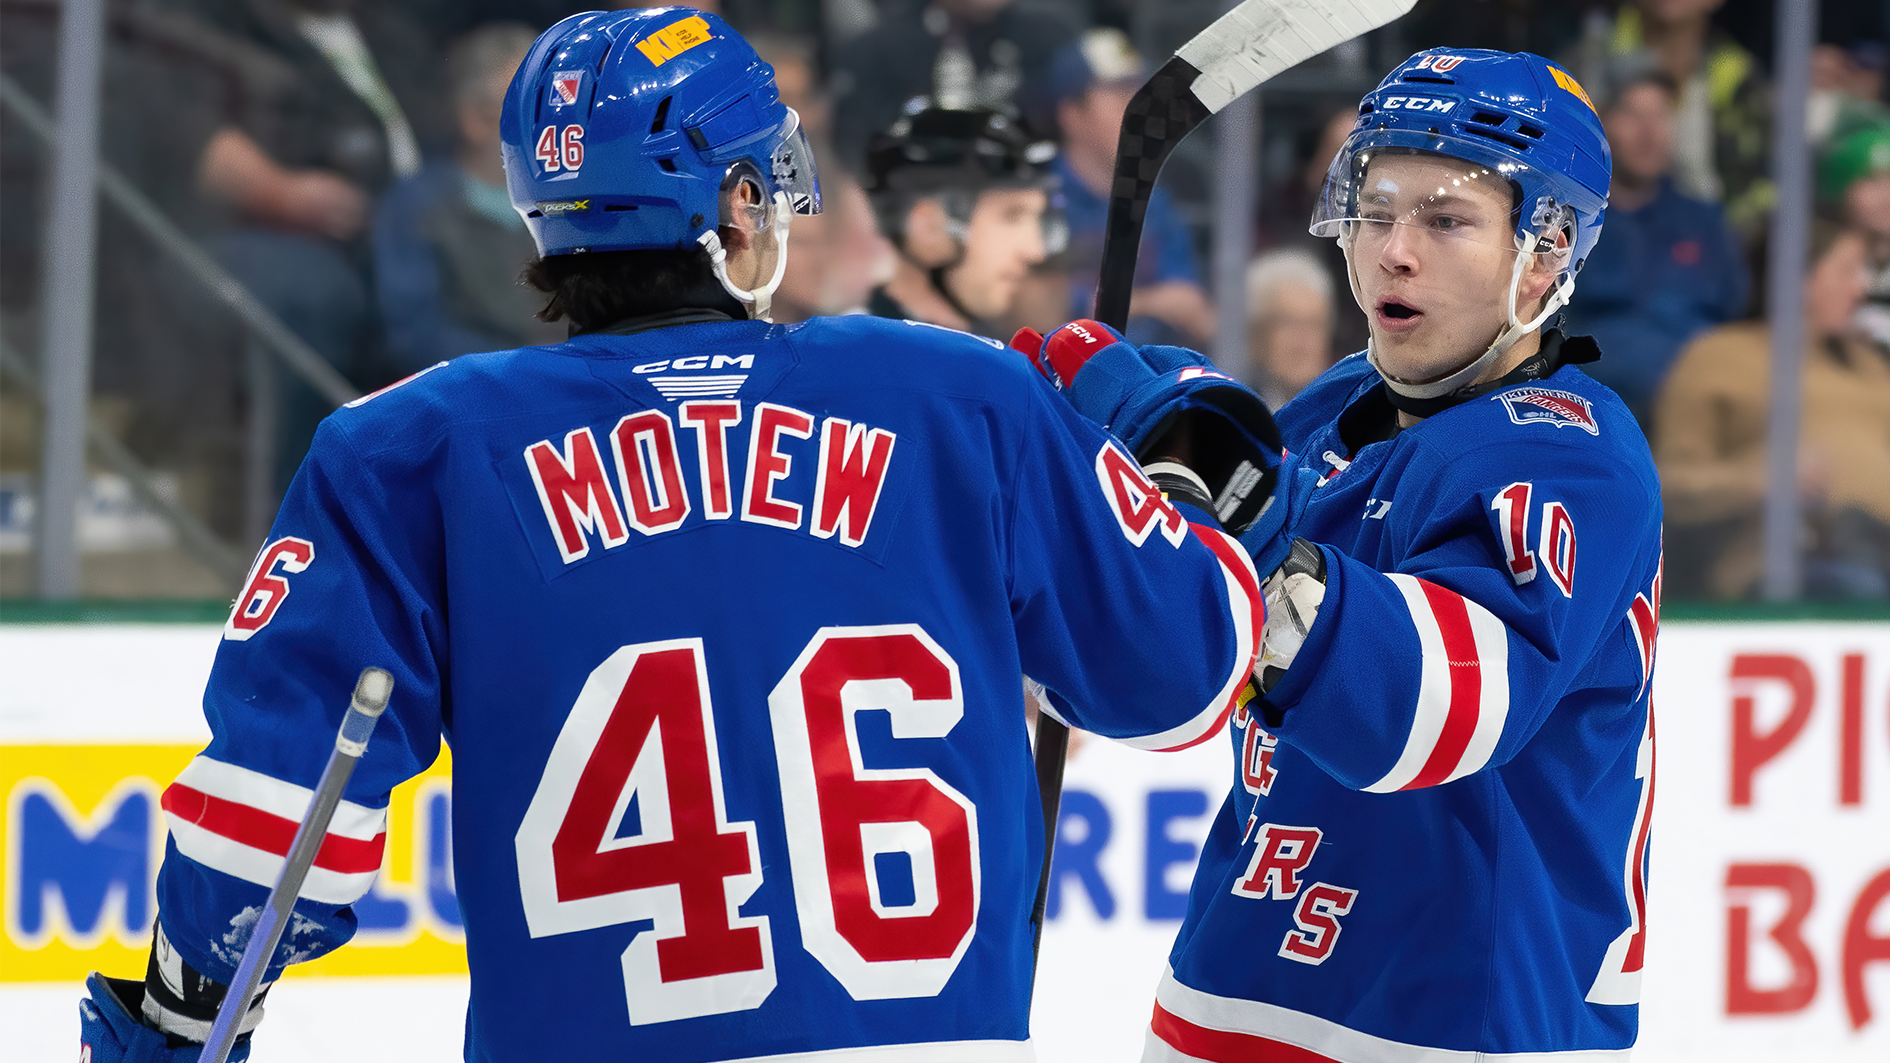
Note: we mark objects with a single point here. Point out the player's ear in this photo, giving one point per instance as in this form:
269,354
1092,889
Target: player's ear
744,207
1541,273
928,232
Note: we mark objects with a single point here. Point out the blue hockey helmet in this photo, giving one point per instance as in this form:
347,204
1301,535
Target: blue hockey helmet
622,129
1515,118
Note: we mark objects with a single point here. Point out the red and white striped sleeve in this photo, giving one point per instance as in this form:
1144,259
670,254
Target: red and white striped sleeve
1246,608
1406,682
241,822
1462,698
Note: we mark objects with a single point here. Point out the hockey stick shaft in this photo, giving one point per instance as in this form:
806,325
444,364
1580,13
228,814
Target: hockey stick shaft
1244,47
371,692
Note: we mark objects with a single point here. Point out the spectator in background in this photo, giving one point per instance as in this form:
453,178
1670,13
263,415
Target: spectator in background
155,350
1712,437
1092,80
1722,120
1289,324
1846,91
1854,181
1668,267
1286,212
341,102
962,54
448,247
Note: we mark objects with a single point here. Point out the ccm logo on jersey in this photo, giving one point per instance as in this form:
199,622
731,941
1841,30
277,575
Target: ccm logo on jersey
699,361
1548,406
268,586
1418,103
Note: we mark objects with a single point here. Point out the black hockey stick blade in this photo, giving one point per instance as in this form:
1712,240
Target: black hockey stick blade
1244,47
1249,44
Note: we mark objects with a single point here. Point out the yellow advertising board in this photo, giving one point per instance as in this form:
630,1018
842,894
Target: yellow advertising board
83,836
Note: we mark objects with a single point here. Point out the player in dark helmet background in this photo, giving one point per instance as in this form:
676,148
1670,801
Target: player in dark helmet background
970,204
723,620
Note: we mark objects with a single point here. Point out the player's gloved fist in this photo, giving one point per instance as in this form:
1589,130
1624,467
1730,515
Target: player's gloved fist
1062,354
1127,389
111,1032
1171,400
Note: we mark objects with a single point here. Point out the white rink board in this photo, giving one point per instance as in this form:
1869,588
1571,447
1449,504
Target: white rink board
1097,976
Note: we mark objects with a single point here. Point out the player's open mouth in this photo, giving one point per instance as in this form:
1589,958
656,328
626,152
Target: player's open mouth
1398,317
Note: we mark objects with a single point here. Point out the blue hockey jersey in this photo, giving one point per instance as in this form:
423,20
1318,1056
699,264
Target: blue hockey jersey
724,623
1439,851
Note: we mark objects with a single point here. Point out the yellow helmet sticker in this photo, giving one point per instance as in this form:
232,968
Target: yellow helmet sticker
1561,78
674,39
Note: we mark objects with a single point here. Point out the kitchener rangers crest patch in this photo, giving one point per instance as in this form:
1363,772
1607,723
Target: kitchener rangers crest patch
564,86
1548,406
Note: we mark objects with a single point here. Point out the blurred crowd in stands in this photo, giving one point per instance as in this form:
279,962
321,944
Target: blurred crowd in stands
341,159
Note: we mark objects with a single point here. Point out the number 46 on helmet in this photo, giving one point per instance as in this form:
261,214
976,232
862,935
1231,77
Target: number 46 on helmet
623,130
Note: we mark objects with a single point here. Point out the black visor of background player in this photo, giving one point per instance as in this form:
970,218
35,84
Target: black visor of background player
1356,200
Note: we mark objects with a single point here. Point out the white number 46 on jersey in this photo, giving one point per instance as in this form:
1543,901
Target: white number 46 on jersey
643,726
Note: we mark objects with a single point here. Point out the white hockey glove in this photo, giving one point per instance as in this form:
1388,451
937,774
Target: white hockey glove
1293,594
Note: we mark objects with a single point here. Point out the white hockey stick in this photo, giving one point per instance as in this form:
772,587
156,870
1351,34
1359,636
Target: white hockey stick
1241,49
371,692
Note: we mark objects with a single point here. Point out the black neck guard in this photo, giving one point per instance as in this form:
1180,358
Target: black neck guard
630,326
1373,416
1556,351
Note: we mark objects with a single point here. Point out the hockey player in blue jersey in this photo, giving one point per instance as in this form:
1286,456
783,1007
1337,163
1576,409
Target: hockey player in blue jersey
723,621
1435,844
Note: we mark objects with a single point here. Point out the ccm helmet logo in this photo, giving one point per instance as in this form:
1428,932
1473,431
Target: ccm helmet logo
1417,103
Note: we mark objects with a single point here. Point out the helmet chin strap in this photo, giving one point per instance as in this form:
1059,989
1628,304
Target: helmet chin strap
760,300
1514,330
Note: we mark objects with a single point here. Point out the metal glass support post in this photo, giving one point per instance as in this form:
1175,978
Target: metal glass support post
66,295
1236,184
1784,295
260,490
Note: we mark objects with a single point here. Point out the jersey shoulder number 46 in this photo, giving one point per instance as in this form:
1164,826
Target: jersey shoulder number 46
1138,503
268,586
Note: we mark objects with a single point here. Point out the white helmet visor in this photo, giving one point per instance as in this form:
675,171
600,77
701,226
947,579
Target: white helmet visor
1371,194
792,167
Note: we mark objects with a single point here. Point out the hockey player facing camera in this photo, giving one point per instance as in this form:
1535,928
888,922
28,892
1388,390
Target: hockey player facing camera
1435,845
722,619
